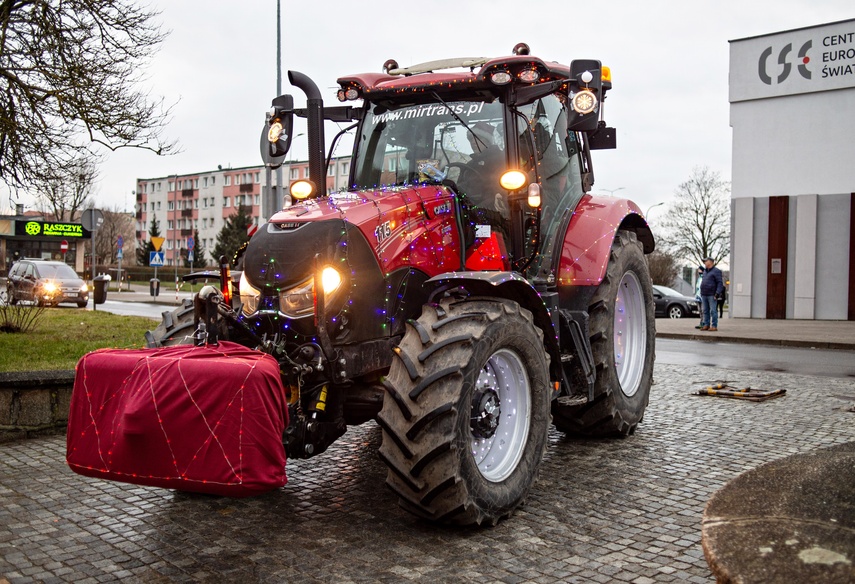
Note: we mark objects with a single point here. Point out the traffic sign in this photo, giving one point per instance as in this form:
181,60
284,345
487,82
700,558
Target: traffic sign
191,243
250,231
119,254
157,242
120,241
63,246
190,255
155,258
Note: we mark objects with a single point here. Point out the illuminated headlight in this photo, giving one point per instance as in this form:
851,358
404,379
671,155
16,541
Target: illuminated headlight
249,296
302,189
84,288
501,78
274,133
299,300
513,180
49,287
330,279
584,101
351,94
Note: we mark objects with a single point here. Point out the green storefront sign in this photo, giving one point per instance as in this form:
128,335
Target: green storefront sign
49,229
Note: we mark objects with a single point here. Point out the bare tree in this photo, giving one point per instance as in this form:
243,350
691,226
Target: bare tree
70,77
115,223
698,222
664,267
64,192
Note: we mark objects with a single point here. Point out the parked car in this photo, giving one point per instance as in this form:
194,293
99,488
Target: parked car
46,283
670,303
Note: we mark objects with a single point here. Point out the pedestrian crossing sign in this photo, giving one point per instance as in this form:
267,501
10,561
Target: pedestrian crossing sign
155,258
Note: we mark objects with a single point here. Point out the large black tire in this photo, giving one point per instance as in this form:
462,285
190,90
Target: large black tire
452,457
175,328
623,335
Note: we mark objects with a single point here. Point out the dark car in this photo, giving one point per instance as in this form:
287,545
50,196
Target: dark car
672,304
46,283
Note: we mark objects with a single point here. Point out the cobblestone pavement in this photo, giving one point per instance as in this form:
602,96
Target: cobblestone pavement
602,510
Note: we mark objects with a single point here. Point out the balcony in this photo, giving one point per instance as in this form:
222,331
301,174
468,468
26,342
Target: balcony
246,188
187,192
139,215
186,212
186,232
139,197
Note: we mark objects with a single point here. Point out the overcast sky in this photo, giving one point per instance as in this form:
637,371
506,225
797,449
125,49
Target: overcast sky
669,64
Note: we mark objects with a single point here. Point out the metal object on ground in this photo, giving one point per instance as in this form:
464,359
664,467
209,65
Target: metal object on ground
746,393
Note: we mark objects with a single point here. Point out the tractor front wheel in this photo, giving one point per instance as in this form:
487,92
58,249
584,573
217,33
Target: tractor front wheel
623,335
175,328
466,413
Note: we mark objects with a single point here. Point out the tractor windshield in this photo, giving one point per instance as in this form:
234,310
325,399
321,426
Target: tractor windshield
461,141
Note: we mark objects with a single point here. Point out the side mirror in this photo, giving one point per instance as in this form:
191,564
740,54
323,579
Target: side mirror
586,94
277,132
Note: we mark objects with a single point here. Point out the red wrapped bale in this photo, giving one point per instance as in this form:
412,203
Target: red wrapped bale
203,419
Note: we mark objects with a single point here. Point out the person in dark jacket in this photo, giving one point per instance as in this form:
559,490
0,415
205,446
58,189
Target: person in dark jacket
712,288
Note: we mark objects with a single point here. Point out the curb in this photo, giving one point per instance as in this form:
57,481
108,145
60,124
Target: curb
795,343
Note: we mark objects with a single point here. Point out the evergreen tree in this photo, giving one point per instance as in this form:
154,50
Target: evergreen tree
232,235
143,251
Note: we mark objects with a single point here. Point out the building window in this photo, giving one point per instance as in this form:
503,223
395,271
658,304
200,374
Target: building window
213,180
169,206
392,165
255,202
226,202
195,203
237,179
170,186
228,180
158,205
345,167
204,223
195,183
257,177
169,224
331,170
295,173
205,181
152,205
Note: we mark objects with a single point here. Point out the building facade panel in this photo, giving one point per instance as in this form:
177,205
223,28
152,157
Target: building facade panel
792,112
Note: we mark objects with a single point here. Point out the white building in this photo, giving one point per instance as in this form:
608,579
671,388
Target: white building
792,111
184,203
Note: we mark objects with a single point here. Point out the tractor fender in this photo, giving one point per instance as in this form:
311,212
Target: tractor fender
589,236
508,285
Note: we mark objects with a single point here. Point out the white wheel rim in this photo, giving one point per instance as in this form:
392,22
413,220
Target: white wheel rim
630,333
503,378
675,312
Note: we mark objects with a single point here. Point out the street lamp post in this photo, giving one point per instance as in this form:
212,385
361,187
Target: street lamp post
647,214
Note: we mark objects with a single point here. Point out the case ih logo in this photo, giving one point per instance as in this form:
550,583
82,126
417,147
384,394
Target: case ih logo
783,57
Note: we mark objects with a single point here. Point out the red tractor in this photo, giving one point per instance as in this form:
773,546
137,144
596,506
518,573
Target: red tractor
464,292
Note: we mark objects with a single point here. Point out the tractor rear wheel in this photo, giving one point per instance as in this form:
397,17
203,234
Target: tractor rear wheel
466,413
623,334
175,328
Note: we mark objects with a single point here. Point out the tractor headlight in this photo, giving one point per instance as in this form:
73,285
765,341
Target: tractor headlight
299,300
331,280
583,101
513,180
249,296
302,189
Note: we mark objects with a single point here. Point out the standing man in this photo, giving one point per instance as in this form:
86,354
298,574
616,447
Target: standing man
712,288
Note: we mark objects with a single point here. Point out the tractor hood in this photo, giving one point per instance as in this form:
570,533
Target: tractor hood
371,232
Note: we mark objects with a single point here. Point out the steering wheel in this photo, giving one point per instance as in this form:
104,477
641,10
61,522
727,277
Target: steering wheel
465,169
